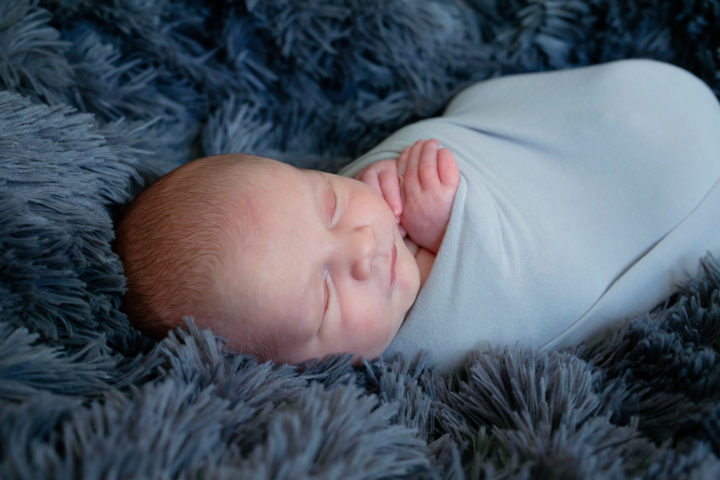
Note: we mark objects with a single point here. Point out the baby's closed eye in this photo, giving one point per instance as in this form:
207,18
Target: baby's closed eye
332,204
326,296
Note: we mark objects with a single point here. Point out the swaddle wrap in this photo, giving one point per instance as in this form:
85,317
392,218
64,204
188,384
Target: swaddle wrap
585,197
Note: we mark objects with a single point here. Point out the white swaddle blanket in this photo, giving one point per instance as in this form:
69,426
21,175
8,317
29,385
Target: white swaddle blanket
585,197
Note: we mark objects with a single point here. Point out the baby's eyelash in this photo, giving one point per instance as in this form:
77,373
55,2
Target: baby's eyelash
333,205
334,202
327,297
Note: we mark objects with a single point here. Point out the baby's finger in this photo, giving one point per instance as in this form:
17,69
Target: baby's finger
402,161
428,167
411,179
390,187
447,168
370,177
414,156
402,190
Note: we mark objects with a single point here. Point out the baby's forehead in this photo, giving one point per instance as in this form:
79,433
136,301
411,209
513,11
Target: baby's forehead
221,181
258,175
260,196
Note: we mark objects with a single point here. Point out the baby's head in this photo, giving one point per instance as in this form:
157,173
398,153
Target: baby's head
286,264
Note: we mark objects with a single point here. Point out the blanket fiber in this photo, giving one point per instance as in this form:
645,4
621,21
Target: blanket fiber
98,98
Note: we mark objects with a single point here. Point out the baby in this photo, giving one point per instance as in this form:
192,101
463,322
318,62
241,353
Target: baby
562,203
285,263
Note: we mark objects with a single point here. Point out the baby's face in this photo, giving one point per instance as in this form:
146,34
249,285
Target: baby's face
319,266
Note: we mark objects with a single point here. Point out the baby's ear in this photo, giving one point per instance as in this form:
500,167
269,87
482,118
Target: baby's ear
447,168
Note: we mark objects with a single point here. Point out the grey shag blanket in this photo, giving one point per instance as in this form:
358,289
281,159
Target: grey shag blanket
98,98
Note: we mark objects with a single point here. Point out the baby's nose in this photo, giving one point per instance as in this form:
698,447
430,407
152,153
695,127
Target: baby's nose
364,246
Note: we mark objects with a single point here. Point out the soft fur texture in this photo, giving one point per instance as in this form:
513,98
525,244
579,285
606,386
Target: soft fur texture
102,97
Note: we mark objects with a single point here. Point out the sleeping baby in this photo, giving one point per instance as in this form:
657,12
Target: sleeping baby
285,263
546,208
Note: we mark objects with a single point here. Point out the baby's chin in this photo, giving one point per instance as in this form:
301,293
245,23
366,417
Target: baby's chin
407,275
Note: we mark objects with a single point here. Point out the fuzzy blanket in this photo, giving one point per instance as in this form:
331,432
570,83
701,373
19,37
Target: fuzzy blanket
99,98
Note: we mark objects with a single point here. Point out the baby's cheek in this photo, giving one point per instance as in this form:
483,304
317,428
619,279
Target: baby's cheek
371,336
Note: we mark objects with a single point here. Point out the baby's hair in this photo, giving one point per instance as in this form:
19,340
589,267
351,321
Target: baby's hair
170,241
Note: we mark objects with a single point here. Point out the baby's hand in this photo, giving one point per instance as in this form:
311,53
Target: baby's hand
429,177
383,177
